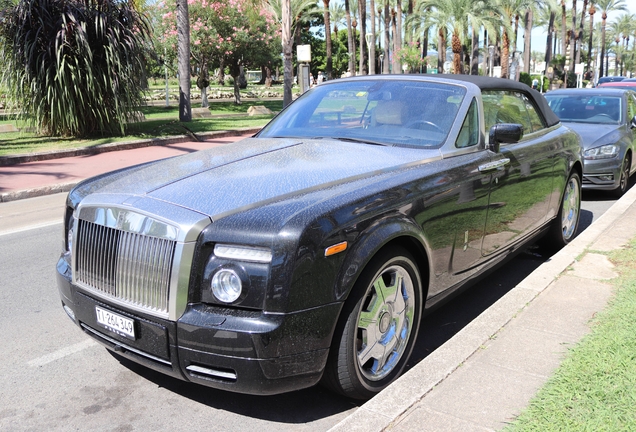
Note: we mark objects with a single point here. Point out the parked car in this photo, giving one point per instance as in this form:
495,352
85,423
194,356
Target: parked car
608,79
605,118
625,84
311,251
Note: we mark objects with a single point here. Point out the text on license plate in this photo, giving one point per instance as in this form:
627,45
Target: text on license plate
116,323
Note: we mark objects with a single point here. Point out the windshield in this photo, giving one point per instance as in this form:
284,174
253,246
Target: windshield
395,112
586,108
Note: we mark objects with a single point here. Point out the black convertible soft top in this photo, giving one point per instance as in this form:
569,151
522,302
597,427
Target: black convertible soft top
488,83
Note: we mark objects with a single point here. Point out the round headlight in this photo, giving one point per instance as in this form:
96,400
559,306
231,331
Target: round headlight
226,285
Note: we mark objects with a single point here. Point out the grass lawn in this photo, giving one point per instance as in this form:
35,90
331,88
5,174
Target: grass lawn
594,389
161,121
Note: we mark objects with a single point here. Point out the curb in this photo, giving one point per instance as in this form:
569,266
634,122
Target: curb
393,403
36,192
126,145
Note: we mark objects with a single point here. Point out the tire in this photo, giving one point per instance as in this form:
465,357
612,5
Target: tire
377,328
624,180
564,226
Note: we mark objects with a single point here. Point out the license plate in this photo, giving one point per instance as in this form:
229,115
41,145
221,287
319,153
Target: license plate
116,323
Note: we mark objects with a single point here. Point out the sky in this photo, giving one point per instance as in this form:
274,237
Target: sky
539,33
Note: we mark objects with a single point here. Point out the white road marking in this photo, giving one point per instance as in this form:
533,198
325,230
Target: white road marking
30,227
61,353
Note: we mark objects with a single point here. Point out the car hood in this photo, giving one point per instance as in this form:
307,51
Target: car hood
594,134
255,171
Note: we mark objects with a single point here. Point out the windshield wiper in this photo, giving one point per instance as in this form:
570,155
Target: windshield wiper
361,140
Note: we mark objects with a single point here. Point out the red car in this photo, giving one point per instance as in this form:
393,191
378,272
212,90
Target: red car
627,85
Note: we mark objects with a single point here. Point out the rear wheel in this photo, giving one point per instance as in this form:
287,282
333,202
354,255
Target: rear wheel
565,225
377,328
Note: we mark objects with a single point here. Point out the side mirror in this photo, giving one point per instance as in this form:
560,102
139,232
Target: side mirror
506,133
633,125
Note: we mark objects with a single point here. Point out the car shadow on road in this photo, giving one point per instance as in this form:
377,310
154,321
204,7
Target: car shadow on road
298,407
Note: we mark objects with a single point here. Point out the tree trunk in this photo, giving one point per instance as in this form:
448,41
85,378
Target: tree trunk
548,42
563,26
573,37
484,65
590,57
326,15
397,67
350,42
287,42
362,10
528,21
387,39
183,54
602,72
425,50
579,36
505,52
441,49
397,36
456,46
372,46
474,57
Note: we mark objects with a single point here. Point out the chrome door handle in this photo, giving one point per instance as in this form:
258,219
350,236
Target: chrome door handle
493,166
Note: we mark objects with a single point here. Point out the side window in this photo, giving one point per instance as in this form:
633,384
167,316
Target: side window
510,107
535,118
631,108
469,133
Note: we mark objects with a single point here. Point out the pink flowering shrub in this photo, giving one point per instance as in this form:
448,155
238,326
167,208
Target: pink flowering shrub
227,32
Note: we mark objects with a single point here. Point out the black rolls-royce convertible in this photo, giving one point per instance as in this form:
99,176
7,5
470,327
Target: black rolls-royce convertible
309,252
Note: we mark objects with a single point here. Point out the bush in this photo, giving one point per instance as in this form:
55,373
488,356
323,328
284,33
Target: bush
75,67
525,78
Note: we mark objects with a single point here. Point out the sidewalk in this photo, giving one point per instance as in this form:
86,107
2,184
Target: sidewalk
48,173
486,374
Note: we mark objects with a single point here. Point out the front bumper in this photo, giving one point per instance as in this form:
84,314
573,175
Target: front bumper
602,174
241,351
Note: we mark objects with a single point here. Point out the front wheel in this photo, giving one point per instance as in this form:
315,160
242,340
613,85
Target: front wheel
378,326
624,179
565,225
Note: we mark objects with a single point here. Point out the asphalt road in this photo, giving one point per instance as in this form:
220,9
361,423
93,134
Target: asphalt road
53,377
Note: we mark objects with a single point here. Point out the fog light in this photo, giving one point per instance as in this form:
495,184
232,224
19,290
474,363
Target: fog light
69,312
608,177
226,285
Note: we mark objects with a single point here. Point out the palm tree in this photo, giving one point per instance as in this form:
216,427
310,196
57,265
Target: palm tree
621,29
290,13
337,16
510,10
607,6
579,36
460,15
547,18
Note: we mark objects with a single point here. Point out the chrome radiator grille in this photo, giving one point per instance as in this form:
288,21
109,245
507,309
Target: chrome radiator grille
129,267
